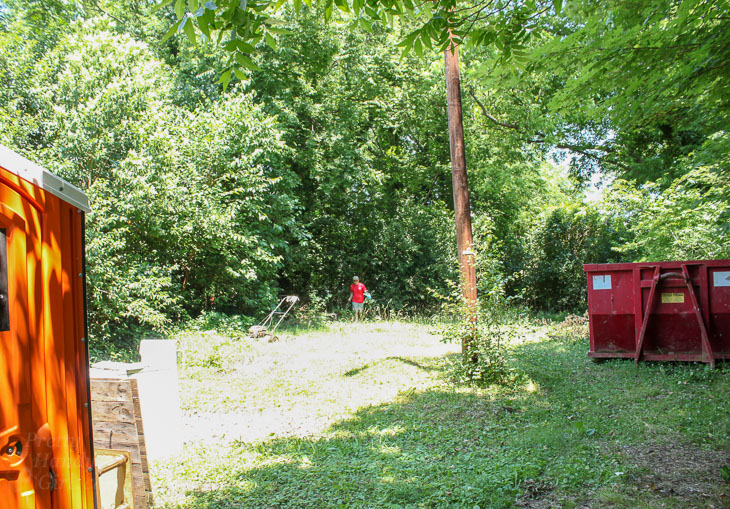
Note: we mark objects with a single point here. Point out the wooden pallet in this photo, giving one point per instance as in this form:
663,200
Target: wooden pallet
117,423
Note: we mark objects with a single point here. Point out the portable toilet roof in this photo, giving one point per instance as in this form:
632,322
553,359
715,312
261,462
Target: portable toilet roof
43,179
46,451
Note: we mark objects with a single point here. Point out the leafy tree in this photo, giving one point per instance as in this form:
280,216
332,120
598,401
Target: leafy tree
636,85
189,209
688,220
506,24
566,238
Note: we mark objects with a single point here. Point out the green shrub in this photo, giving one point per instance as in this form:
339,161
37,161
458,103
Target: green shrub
563,240
484,329
572,328
484,335
190,211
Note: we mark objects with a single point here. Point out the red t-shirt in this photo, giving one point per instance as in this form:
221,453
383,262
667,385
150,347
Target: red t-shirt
358,292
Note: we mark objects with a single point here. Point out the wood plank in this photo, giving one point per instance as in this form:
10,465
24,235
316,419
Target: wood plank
140,491
138,485
118,428
110,390
112,411
141,438
110,441
117,423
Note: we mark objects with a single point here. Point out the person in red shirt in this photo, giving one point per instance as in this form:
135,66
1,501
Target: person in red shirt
357,296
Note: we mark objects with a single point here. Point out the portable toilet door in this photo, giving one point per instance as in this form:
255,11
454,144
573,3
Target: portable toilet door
46,455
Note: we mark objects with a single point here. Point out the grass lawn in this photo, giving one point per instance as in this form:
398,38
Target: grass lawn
364,416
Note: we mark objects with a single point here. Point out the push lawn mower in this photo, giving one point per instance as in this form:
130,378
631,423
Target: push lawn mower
262,330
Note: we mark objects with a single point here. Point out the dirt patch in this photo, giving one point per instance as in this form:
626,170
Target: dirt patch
539,495
667,475
683,472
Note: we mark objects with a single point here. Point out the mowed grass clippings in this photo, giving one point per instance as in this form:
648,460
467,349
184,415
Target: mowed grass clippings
382,427
302,384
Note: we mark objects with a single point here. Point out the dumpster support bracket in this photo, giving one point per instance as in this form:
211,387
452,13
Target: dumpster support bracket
707,355
706,348
647,314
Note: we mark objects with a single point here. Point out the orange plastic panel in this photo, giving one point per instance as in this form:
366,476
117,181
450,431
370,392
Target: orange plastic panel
43,360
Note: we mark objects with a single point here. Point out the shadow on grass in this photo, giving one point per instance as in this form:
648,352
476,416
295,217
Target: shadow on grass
414,452
413,363
568,437
410,362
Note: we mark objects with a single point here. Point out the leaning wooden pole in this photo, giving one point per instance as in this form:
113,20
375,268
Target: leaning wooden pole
464,239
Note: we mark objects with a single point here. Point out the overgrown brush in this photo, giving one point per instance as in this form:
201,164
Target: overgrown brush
483,329
573,328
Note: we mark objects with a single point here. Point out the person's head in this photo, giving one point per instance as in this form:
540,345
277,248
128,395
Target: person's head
355,279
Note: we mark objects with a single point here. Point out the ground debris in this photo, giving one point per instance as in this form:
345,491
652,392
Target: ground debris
680,470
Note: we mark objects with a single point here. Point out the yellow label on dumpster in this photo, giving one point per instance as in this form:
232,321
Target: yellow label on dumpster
672,298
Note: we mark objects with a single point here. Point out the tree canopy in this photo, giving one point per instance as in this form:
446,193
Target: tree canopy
239,25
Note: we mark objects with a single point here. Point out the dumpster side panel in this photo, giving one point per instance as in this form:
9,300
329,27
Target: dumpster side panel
673,326
611,310
719,282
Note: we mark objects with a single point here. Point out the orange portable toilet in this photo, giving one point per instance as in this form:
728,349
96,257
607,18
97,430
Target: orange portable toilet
46,456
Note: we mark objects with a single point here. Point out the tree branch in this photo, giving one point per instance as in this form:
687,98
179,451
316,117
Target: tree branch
582,150
95,5
506,125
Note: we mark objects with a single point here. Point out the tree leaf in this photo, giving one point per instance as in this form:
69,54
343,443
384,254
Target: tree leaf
245,47
279,31
193,5
189,30
499,41
558,4
372,13
171,31
342,5
408,40
204,23
418,48
365,25
426,40
162,4
180,9
246,62
225,79
270,41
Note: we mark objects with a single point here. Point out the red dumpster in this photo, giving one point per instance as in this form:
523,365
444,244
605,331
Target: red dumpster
677,311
